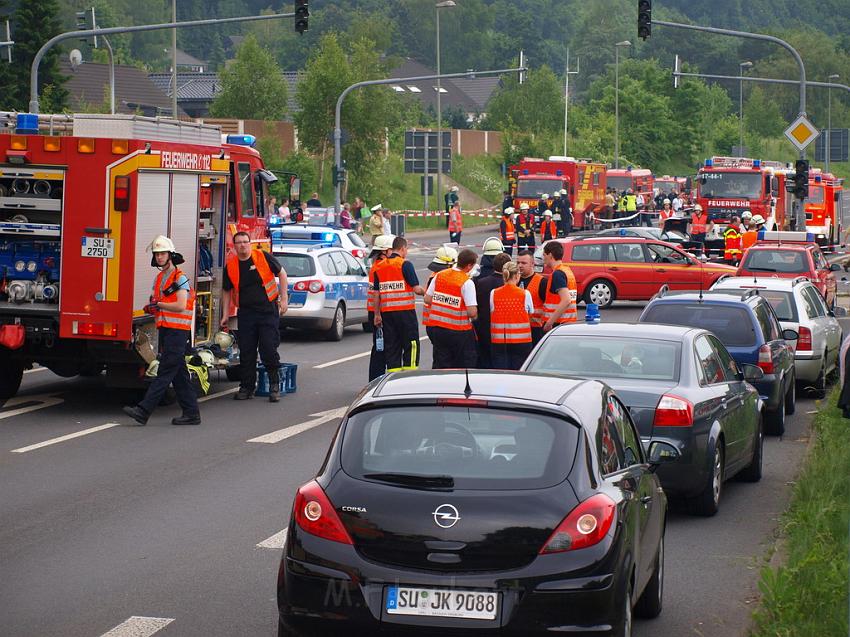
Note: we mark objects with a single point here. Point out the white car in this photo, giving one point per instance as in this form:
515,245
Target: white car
303,234
799,306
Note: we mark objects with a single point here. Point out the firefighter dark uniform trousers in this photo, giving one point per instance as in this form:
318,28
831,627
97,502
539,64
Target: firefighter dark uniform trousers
174,329
377,359
395,279
451,329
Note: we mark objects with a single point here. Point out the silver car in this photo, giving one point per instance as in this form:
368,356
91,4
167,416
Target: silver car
327,289
800,307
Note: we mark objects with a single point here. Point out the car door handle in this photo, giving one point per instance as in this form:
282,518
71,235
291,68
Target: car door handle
646,499
614,268
661,269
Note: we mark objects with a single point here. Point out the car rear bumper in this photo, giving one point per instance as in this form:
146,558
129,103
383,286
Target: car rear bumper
312,315
770,390
346,594
688,475
807,365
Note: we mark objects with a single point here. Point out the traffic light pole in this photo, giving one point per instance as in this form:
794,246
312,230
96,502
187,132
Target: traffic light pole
799,217
136,29
392,80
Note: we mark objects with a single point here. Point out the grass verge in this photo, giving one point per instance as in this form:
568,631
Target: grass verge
808,594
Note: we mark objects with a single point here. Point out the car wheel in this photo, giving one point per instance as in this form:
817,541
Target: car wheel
650,602
337,329
601,292
818,389
625,628
752,472
775,420
11,375
707,503
791,397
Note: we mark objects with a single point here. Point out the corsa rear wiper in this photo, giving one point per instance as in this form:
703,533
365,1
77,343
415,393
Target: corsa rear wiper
436,482
753,269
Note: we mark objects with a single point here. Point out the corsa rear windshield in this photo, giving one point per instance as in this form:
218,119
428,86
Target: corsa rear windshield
732,325
475,448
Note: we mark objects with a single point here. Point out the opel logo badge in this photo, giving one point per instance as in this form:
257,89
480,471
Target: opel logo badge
446,516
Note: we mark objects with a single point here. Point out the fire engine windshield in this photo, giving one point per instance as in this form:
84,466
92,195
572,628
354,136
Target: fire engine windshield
666,186
731,185
815,194
619,183
528,188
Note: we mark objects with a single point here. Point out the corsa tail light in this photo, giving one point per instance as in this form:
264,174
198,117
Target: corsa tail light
312,285
673,411
765,359
584,526
315,514
804,342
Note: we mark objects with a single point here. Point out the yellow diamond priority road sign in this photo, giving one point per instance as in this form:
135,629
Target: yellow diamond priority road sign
801,132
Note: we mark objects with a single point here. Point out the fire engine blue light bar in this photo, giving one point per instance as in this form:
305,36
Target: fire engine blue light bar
242,140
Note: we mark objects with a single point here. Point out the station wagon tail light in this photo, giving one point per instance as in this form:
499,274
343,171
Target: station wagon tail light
315,514
804,342
673,411
584,526
765,359
313,285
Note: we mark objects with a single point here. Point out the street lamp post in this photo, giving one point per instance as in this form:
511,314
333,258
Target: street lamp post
741,67
617,100
446,4
832,77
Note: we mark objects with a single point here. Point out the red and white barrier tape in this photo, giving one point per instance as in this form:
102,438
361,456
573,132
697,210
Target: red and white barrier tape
480,212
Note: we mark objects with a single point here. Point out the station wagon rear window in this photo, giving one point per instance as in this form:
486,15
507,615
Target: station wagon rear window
781,261
732,325
297,265
467,448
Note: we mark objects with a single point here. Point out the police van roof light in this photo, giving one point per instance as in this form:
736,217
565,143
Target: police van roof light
241,140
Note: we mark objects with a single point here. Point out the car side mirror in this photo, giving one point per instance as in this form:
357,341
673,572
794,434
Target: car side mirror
790,335
661,453
835,268
839,312
752,372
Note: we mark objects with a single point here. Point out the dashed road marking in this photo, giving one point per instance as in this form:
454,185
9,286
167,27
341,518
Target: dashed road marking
276,541
226,392
338,361
34,370
56,441
43,401
293,430
139,627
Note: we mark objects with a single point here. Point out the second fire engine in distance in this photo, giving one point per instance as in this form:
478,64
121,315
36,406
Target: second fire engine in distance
826,207
633,269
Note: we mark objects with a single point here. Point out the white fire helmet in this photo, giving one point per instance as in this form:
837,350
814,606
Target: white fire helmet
162,244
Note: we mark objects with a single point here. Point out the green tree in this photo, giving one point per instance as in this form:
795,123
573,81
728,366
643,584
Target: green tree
252,87
35,22
535,106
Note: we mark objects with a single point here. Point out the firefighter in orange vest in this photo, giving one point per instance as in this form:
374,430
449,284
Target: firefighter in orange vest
699,225
524,224
445,258
380,251
507,228
172,305
397,285
511,309
732,242
536,284
453,306
249,285
561,291
455,223
548,228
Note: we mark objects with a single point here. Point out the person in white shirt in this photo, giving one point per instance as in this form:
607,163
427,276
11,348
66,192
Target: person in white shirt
387,226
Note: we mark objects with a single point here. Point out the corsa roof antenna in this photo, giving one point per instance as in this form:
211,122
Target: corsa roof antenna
467,391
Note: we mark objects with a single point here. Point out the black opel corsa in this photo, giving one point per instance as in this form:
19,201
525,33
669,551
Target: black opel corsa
511,503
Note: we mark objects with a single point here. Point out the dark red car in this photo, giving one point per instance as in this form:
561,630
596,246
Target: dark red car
790,260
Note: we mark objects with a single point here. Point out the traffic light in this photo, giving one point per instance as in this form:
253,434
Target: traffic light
302,12
340,174
85,21
801,179
644,19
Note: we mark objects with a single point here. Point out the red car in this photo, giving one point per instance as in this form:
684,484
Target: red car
634,269
790,260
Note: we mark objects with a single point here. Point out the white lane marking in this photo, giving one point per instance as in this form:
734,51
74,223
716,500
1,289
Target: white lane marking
294,430
226,392
276,541
56,441
422,337
34,370
139,627
43,400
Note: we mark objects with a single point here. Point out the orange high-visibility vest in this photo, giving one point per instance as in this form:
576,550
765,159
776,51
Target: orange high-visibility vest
181,320
510,231
510,322
455,220
448,309
553,300
698,223
263,269
539,317
370,297
749,238
395,293
732,247
548,230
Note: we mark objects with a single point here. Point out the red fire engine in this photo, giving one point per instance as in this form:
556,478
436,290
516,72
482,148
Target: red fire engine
668,184
730,186
583,179
81,198
824,207
640,180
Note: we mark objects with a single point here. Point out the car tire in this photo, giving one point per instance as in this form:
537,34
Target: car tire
818,389
707,503
600,291
775,420
337,329
791,397
625,627
753,471
651,600
233,373
11,375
